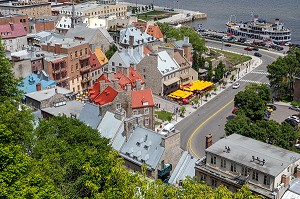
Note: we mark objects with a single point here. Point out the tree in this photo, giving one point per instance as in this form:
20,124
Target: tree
232,78
182,111
8,84
111,51
196,101
209,71
219,72
282,73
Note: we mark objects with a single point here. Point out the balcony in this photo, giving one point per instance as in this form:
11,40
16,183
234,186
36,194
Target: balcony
56,71
164,171
86,80
81,58
62,79
85,69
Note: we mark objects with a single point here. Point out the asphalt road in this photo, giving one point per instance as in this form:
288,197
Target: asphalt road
212,117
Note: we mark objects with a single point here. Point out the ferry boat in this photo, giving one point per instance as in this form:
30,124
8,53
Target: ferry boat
260,29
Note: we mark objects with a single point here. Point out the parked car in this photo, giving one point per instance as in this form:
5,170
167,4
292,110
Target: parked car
234,110
295,108
297,146
291,122
255,49
269,109
228,45
248,49
272,106
235,85
257,54
296,118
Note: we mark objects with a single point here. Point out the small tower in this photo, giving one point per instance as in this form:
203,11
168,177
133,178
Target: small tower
73,18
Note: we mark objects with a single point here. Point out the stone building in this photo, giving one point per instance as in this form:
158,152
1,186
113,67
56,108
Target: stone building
237,160
13,36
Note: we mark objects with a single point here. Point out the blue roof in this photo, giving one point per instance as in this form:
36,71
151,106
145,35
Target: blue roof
30,82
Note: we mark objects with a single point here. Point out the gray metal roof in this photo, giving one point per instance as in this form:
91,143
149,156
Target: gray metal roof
139,36
294,191
90,115
73,107
243,148
143,145
112,128
47,93
184,168
127,58
166,64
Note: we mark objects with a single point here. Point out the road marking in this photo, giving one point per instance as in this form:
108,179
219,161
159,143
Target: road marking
251,81
189,144
260,72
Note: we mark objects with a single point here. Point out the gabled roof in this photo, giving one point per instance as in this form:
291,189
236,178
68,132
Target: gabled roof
147,51
112,132
64,23
135,75
30,82
107,96
184,168
101,56
180,59
165,63
142,98
122,79
155,32
143,145
128,58
90,115
87,33
139,36
94,62
243,148
12,30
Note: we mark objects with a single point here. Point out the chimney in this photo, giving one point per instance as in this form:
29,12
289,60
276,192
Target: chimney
57,49
131,40
92,48
186,40
285,179
48,47
298,171
128,129
187,49
208,139
38,86
11,26
128,87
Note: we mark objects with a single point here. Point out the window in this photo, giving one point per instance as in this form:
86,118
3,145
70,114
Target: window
244,171
202,177
71,56
73,90
223,163
144,70
255,175
144,76
72,80
266,180
135,112
213,183
146,111
120,64
77,78
118,106
146,121
213,159
113,63
76,66
85,51
72,68
78,88
233,167
80,52
75,53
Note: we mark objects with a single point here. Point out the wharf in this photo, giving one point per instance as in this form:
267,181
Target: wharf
182,16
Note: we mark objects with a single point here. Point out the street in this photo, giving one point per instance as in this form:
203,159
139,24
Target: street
212,117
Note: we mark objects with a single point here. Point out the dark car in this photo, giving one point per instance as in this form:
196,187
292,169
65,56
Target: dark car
257,54
255,49
291,122
228,45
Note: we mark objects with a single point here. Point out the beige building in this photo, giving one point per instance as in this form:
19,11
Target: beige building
32,9
237,160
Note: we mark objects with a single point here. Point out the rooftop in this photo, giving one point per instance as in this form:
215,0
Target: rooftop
12,30
244,149
65,42
90,115
155,32
142,98
165,63
70,107
107,96
143,146
47,93
139,37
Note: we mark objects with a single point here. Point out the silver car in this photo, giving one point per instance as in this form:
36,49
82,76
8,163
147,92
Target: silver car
295,108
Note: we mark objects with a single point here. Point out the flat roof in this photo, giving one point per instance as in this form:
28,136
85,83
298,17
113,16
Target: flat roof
243,148
73,107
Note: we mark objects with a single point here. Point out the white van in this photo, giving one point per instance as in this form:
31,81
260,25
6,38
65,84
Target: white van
169,128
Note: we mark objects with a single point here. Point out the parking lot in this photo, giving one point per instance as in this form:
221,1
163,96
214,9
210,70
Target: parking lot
282,113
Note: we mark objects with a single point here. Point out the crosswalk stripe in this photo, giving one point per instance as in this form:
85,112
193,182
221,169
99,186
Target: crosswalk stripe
251,81
262,73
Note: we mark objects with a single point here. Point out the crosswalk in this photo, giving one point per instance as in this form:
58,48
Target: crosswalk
251,81
260,72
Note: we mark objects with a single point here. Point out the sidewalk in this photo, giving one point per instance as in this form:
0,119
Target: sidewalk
255,62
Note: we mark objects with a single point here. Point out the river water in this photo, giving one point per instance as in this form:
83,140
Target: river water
219,11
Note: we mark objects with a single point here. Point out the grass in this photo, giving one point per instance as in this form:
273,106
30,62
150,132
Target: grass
155,13
233,58
164,115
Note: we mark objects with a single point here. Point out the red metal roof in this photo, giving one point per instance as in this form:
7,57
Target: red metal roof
107,96
123,80
135,75
94,62
12,30
142,98
94,91
155,32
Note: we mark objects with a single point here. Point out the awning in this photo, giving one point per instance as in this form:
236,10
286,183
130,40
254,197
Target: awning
171,81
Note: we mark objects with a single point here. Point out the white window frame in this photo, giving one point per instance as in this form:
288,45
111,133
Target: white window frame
147,121
118,106
146,111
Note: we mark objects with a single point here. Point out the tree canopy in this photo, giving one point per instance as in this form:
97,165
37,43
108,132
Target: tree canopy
111,51
282,73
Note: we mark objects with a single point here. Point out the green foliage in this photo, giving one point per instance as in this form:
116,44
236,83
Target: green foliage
164,115
252,101
8,84
282,73
210,72
182,110
184,31
219,72
111,51
295,103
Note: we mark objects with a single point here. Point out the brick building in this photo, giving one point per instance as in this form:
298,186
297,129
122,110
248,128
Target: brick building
38,25
73,71
15,18
31,9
